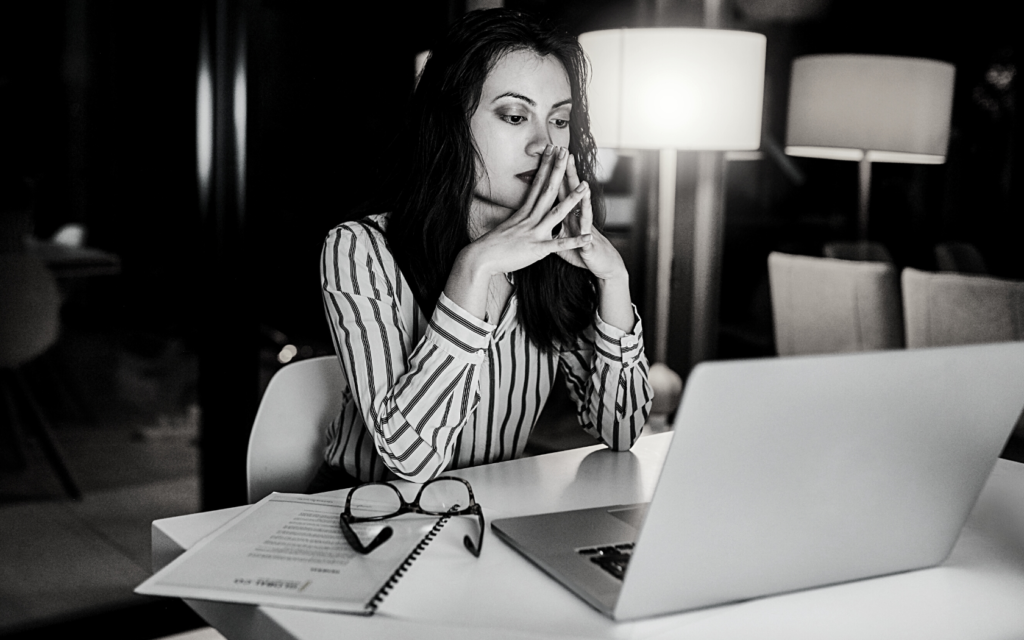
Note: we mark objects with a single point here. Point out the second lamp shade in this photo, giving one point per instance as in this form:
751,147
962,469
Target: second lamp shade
894,109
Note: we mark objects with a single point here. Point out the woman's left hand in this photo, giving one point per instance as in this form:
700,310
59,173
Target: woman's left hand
599,256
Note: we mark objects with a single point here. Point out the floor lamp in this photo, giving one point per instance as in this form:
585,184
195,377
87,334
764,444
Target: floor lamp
869,108
680,90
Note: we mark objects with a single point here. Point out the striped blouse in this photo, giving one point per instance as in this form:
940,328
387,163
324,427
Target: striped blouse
426,395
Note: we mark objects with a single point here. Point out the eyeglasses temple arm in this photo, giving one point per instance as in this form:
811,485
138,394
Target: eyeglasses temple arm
475,548
382,537
350,535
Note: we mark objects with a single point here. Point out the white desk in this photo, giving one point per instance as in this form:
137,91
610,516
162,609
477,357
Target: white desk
977,593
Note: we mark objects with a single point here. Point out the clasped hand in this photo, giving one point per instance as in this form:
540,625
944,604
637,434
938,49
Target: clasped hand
541,227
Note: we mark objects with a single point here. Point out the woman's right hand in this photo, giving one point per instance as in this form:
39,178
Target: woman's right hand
526,236
522,239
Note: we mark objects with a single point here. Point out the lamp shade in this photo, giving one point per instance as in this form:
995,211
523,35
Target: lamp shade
685,89
887,108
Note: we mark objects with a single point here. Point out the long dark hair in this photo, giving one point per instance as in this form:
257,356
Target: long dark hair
433,180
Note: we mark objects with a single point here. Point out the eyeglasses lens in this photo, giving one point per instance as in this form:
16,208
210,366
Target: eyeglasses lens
443,495
374,501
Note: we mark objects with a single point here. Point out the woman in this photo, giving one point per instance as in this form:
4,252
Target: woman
450,313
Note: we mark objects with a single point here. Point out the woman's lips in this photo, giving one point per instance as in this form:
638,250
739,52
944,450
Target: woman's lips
527,176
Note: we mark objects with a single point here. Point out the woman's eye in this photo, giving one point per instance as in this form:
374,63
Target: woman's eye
513,119
559,123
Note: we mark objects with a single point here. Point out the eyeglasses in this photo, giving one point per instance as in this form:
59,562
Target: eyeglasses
374,501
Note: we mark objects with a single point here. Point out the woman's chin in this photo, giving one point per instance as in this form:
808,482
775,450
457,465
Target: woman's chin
494,209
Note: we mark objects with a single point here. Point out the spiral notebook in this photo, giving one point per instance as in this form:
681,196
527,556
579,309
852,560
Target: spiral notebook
287,550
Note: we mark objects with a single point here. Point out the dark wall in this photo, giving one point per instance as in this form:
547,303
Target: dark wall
329,83
97,107
98,111
976,195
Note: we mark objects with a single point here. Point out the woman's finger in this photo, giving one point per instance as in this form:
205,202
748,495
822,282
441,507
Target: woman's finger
540,178
571,223
586,217
572,256
573,180
571,177
550,191
566,244
558,214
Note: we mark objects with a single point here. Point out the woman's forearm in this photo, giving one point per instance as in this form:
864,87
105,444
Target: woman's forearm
616,305
468,282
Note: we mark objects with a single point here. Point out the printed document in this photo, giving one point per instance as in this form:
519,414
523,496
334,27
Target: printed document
288,550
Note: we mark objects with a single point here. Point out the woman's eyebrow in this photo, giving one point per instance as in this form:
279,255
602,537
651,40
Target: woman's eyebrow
519,96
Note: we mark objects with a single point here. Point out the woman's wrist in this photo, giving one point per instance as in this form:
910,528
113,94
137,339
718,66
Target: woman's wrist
618,277
472,261
616,305
468,281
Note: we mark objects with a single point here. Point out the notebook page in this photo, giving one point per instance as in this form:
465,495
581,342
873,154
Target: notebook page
288,550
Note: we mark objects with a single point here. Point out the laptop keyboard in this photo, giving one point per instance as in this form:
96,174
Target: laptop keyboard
613,558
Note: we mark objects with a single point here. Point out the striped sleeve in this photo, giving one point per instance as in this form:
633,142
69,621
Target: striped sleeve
410,395
607,376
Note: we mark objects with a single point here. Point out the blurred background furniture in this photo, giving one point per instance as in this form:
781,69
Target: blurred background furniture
869,108
959,257
29,326
825,305
943,309
863,250
286,444
67,255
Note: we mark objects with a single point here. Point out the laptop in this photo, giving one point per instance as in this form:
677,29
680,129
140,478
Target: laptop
790,473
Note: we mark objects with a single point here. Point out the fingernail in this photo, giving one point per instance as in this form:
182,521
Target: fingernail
582,187
561,152
547,150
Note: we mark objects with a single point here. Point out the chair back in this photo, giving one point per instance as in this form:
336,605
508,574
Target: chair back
826,305
287,441
943,309
29,309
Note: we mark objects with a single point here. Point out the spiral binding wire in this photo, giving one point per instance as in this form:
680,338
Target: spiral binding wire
378,597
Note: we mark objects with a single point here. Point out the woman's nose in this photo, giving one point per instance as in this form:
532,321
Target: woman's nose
539,138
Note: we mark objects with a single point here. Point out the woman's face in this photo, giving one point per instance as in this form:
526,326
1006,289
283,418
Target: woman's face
524,106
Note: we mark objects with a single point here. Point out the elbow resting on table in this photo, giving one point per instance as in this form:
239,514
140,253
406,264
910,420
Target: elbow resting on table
409,466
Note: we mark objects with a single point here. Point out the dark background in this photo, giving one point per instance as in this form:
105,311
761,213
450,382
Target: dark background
98,110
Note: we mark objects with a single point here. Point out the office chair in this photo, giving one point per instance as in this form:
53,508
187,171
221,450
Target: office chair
286,444
826,305
946,309
29,326
952,308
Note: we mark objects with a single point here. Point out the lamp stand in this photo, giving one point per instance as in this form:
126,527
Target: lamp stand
666,237
863,196
708,237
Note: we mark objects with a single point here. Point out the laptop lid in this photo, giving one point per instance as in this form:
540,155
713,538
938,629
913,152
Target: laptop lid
789,473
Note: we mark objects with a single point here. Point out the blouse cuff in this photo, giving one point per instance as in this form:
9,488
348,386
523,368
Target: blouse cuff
458,331
617,345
